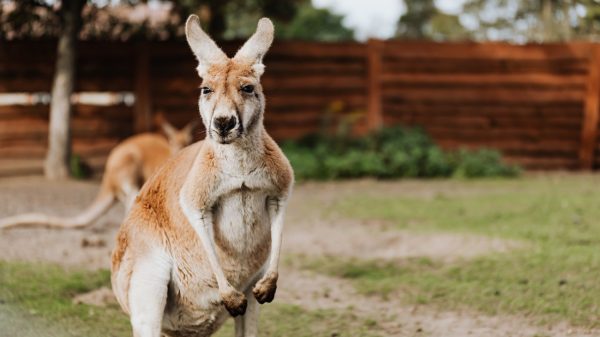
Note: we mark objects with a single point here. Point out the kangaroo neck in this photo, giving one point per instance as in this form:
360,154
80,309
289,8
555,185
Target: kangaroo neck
242,155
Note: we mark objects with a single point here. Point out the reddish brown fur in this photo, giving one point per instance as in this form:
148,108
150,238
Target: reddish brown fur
160,218
227,193
276,163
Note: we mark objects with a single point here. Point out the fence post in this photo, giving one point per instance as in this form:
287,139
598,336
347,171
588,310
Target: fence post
143,105
374,95
589,130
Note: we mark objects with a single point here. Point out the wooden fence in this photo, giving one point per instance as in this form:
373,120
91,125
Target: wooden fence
537,104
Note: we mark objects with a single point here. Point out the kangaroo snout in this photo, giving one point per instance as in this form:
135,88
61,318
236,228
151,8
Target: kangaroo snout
224,124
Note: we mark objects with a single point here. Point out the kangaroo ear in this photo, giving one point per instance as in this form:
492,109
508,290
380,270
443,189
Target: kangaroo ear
204,48
257,46
189,128
169,129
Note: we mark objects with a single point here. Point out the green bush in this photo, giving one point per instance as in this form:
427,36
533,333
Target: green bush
481,163
393,152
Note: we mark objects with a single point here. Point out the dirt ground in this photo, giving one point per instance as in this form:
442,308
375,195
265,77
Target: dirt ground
308,232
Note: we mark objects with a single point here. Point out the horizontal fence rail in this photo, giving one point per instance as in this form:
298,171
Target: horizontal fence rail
537,104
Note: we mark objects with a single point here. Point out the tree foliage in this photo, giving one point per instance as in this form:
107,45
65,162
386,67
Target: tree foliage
37,19
223,19
231,18
534,21
314,24
423,20
537,20
414,24
511,20
306,23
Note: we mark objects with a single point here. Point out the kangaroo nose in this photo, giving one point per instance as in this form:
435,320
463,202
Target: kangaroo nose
225,124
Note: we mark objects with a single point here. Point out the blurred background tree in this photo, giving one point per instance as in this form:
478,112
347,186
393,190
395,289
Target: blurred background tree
314,24
294,19
536,21
235,18
423,20
37,18
58,155
415,23
161,20
532,21
509,20
589,25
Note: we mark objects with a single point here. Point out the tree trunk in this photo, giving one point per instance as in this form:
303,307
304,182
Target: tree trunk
59,137
566,22
548,23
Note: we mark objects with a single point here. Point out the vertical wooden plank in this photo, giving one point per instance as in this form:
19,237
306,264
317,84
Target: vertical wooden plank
143,104
589,130
374,94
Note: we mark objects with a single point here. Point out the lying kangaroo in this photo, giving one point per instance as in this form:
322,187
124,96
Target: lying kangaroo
204,234
128,166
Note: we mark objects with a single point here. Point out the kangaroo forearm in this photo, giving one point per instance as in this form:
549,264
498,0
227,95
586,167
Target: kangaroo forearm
201,221
204,231
277,211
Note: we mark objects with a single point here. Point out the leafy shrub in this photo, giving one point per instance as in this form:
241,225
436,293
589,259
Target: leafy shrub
392,152
481,163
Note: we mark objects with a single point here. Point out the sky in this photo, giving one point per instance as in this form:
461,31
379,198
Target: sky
377,18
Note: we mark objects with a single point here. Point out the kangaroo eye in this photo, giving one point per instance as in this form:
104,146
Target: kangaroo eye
206,90
248,89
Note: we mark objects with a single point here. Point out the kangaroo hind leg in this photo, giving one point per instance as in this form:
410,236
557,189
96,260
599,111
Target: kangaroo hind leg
148,293
247,325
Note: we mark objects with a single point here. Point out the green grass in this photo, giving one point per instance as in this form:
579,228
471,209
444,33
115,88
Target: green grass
293,321
42,294
556,275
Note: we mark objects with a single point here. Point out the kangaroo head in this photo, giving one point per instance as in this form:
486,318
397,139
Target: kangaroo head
178,139
231,101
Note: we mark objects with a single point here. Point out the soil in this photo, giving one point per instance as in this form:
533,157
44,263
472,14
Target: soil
307,232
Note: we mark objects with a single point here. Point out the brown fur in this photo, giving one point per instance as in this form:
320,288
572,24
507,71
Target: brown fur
158,217
264,291
199,234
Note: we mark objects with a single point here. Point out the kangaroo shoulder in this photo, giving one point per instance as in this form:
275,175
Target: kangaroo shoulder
279,168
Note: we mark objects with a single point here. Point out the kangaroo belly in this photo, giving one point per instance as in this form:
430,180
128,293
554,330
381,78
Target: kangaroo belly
242,235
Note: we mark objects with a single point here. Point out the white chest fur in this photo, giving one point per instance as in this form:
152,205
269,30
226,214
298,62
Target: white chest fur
241,219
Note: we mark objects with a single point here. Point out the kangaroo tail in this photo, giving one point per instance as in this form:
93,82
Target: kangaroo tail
101,204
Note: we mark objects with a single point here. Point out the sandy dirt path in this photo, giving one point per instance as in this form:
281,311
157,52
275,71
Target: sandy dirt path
307,232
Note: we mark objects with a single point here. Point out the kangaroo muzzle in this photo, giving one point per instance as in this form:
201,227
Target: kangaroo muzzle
224,127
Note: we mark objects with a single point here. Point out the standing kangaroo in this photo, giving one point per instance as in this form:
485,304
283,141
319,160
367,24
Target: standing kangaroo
128,166
204,235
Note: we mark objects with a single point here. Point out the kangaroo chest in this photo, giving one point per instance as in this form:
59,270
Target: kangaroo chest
241,222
